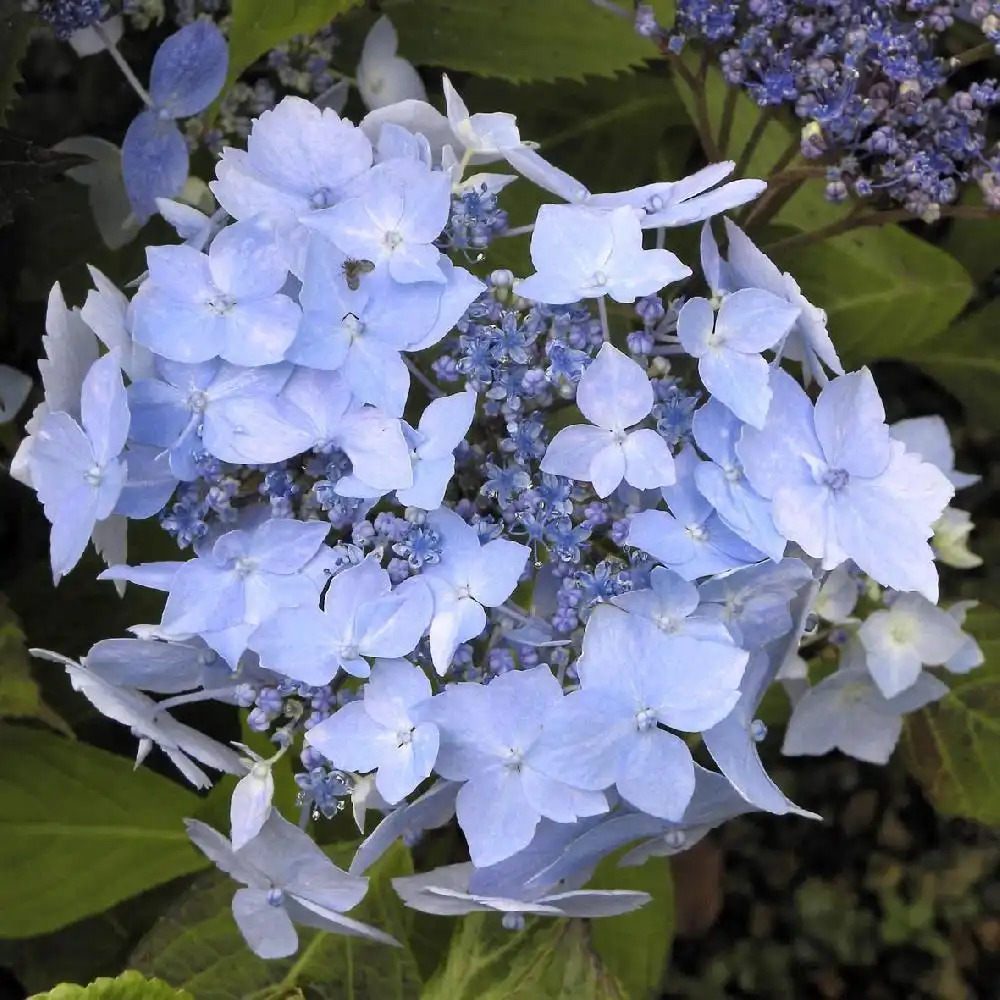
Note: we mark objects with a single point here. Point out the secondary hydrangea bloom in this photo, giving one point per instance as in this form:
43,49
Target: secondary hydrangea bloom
384,77
188,72
848,712
383,732
728,343
904,638
298,162
77,468
422,541
490,743
841,487
634,682
288,880
580,253
228,303
467,578
361,617
613,394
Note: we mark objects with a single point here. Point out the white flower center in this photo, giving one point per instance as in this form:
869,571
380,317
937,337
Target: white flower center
696,532
221,304
392,239
246,565
645,720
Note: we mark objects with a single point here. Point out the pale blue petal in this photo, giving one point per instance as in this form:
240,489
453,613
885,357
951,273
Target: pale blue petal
189,69
352,740
246,260
393,625
585,738
734,749
249,431
716,430
454,624
104,409
149,484
296,642
752,320
661,536
260,332
573,449
656,773
375,444
495,573
432,809
850,425
154,162
250,805
283,545
267,929
614,392
695,324
202,598
648,462
495,816
780,454
607,469
742,510
408,764
444,424
741,381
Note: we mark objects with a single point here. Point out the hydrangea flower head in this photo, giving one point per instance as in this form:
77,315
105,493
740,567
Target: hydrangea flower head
613,394
581,253
841,487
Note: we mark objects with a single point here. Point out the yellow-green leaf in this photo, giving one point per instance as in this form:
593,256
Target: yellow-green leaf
127,986
547,960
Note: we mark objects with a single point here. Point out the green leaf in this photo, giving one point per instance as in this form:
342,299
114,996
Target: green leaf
127,986
198,947
952,747
517,40
635,947
965,359
19,694
547,960
885,291
89,829
257,26
14,29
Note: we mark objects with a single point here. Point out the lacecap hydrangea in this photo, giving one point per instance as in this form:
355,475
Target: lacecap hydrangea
492,550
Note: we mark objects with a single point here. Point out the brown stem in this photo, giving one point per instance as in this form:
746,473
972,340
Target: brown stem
728,113
702,121
856,219
753,141
781,188
976,54
791,151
